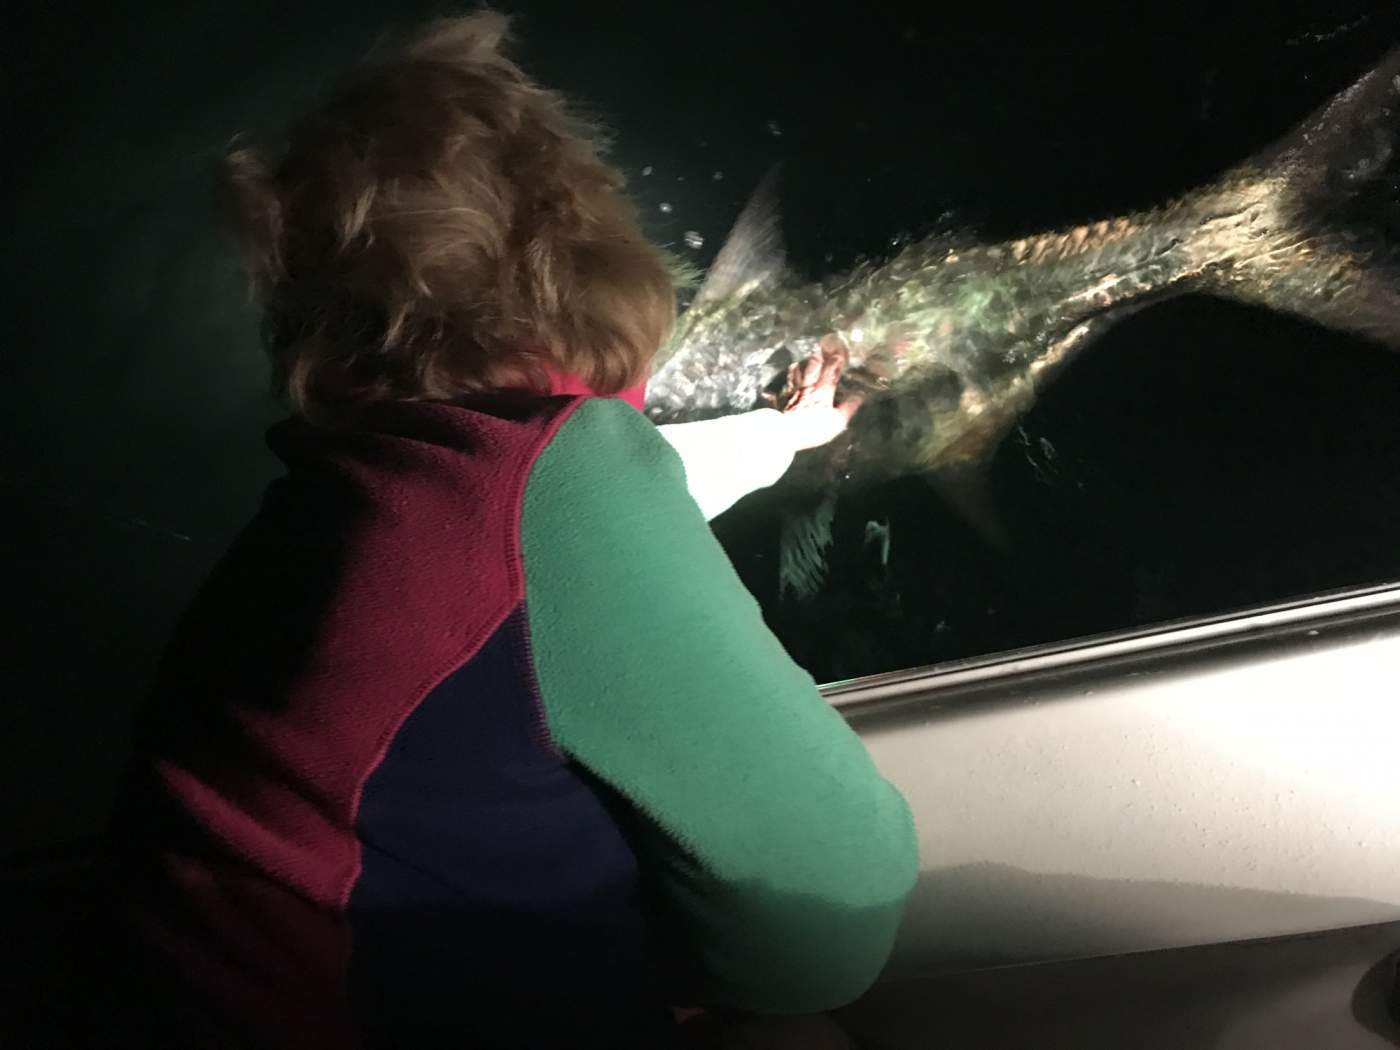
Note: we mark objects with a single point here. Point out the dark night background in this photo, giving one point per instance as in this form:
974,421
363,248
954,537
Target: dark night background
1202,457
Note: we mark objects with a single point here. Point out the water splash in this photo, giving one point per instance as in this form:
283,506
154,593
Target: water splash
1322,36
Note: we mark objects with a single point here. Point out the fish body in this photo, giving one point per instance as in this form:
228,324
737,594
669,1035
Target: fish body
950,341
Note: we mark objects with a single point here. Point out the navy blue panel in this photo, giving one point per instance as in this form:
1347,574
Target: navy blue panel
497,905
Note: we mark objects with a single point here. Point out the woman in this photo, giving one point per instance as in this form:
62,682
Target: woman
474,738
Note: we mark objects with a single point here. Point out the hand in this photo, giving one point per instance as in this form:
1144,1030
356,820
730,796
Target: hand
809,400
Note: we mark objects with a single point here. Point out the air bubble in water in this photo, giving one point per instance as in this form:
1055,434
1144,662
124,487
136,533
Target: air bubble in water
774,129
646,170
693,239
666,208
717,176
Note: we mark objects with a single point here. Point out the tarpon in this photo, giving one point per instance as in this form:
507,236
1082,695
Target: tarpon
950,340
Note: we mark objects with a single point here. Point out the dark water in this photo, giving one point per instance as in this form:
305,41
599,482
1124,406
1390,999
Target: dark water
1200,458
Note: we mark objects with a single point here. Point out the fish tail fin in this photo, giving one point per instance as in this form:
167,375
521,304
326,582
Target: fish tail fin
802,550
1321,210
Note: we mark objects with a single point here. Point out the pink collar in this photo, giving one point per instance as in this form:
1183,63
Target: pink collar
560,383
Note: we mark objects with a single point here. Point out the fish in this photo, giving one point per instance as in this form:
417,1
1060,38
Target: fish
950,341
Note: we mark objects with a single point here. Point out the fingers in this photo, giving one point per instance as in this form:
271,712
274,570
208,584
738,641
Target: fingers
798,390
812,381
834,357
803,379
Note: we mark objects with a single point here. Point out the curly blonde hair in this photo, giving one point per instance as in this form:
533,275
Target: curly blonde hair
440,225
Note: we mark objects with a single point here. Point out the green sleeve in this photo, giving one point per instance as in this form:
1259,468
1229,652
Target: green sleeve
783,859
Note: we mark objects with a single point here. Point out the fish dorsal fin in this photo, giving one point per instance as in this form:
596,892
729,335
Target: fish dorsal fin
753,252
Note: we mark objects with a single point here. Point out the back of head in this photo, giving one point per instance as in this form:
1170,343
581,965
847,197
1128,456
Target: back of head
439,225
